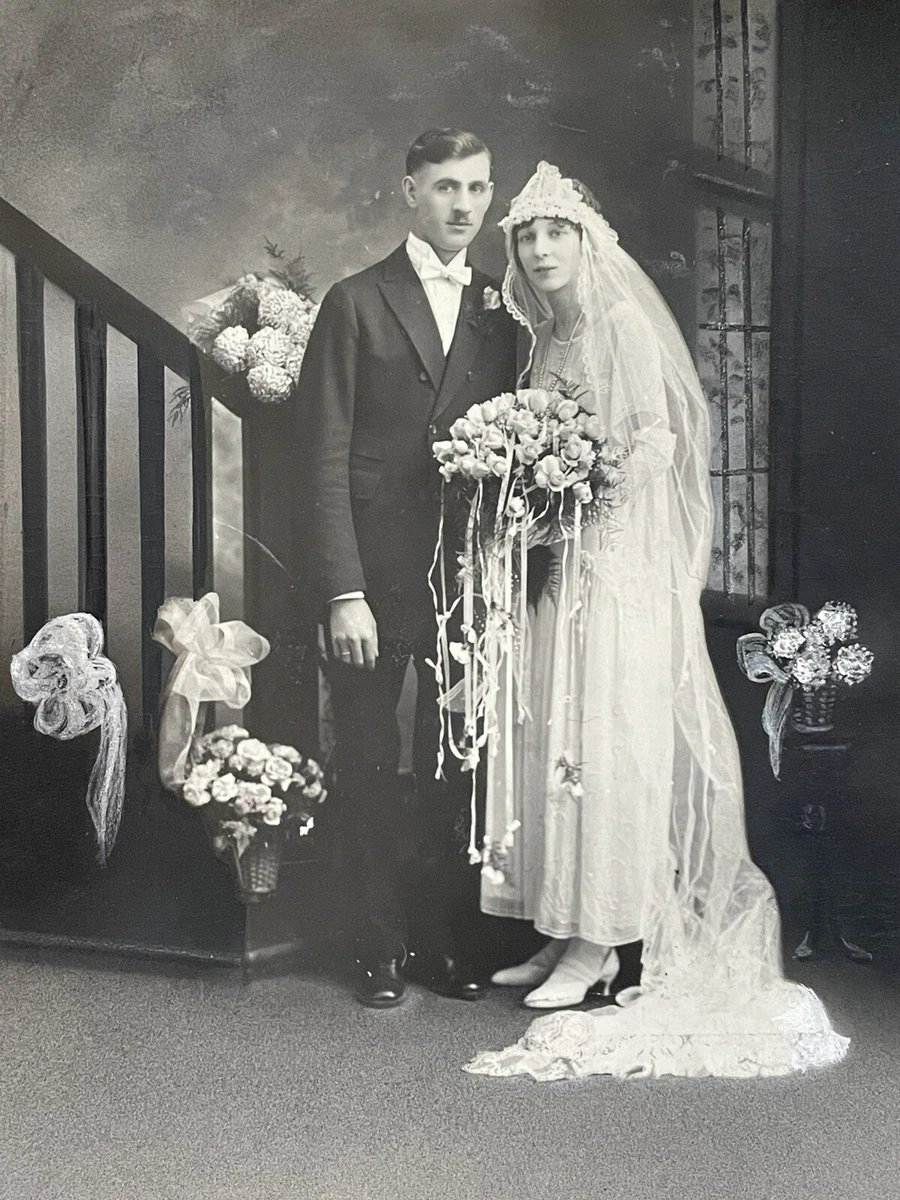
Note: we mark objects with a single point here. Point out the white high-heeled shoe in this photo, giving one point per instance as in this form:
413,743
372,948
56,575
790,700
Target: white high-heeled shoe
580,969
535,970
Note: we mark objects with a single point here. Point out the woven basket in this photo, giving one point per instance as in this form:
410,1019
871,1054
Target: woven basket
814,711
258,866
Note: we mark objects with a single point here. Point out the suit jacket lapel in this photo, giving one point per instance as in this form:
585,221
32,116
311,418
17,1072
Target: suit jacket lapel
463,348
402,289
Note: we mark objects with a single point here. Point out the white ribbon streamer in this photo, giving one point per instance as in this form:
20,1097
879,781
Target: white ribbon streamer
76,689
758,664
211,665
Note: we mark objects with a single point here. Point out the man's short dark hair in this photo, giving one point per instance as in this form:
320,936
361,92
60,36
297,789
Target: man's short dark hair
439,145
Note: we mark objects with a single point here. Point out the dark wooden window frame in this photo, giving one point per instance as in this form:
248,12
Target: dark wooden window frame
718,182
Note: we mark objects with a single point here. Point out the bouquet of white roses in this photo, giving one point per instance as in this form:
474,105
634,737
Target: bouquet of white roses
533,467
259,327
534,457
251,785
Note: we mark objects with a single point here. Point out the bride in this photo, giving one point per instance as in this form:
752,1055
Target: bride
624,774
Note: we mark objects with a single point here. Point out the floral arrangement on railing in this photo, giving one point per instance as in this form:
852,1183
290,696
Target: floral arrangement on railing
259,327
252,785
812,655
531,467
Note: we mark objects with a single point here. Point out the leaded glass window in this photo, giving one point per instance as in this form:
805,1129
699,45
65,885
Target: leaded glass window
734,143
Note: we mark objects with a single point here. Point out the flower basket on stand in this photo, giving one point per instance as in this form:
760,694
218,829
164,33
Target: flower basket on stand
252,796
255,797
804,659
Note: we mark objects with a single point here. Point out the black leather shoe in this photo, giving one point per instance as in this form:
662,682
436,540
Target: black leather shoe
445,976
381,984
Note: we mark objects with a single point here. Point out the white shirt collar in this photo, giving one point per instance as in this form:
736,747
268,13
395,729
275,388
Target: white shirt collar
421,252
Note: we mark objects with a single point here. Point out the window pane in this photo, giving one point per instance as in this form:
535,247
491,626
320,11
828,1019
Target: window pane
734,55
761,400
733,279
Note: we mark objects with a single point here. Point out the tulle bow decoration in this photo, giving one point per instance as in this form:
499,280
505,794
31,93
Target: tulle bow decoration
758,664
212,661
76,689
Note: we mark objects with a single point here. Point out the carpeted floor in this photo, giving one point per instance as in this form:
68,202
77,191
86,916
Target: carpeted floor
130,1081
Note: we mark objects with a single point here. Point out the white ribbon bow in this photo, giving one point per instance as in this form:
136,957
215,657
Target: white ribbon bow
757,663
212,664
436,270
76,689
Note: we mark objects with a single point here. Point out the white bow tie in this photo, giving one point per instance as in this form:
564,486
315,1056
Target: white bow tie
433,270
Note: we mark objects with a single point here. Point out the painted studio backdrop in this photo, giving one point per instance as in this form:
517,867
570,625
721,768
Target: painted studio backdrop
153,154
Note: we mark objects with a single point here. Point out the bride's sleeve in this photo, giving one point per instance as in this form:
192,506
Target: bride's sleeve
639,419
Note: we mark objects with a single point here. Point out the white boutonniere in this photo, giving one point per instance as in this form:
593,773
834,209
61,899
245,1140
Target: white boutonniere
490,299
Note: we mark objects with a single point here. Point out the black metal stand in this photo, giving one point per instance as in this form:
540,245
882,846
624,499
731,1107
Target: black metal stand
814,772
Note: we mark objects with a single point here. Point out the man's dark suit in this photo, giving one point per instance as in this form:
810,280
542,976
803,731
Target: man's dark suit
375,392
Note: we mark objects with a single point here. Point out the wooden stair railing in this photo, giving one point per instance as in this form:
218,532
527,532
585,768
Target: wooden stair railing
100,302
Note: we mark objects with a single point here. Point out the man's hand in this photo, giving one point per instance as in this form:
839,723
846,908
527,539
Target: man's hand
354,634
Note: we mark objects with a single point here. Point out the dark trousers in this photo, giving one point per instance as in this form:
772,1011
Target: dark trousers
405,857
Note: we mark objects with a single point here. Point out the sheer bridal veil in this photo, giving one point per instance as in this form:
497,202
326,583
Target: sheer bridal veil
713,997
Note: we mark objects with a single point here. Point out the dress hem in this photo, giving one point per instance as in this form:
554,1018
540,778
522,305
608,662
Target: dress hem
547,931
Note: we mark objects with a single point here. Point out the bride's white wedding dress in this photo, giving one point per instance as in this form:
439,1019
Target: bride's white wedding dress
598,738
625,773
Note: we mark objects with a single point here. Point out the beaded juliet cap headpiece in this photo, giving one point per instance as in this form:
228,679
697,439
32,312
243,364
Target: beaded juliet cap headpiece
548,194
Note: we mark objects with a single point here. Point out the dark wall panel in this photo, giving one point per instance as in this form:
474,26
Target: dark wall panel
848,393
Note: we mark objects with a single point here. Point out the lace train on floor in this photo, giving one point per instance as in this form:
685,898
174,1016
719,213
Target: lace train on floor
781,1031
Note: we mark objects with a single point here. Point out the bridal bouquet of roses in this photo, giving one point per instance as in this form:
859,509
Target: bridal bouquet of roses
259,327
532,467
534,458
251,785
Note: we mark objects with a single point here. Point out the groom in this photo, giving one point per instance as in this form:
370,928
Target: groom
398,353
